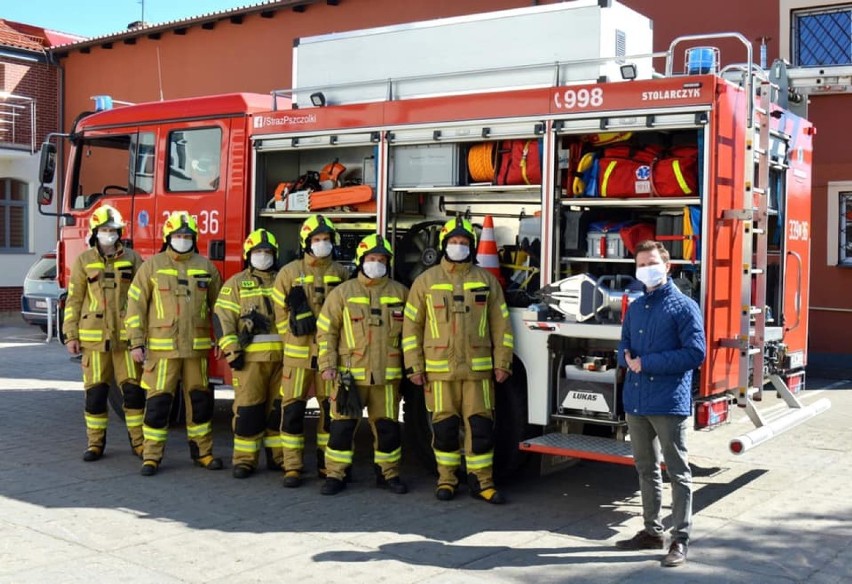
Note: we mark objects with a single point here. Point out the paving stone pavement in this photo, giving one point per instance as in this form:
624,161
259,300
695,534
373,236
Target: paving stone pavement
780,513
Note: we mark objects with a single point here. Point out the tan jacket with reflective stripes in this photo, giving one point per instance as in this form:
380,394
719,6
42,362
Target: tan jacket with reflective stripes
170,303
319,277
242,292
456,324
97,298
359,329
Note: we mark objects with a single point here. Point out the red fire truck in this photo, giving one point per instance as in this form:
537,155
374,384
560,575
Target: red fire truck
573,159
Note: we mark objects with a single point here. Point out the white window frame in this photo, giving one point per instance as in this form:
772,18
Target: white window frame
836,191
787,8
6,206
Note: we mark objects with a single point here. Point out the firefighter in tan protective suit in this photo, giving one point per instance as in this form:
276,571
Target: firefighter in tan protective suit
244,321
300,289
359,337
94,322
457,341
168,322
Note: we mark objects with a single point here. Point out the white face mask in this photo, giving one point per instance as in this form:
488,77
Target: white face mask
652,276
180,245
107,239
262,261
458,252
375,270
321,249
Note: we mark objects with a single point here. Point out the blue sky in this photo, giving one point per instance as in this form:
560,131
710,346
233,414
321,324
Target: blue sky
99,17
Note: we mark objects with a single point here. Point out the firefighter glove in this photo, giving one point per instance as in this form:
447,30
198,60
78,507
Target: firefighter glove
238,361
251,324
302,319
348,400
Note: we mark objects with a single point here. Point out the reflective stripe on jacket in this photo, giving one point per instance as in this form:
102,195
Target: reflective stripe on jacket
318,277
359,329
169,305
456,324
247,290
97,298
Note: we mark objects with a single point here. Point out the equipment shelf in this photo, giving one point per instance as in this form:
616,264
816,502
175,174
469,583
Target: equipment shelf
301,215
632,202
583,259
530,189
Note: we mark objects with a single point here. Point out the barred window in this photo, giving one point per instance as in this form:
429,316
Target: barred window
822,37
13,215
844,255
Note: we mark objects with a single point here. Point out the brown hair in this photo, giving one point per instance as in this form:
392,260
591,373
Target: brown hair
651,245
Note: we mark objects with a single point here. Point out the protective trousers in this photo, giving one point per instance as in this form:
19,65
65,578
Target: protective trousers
160,379
470,401
295,384
382,403
257,412
100,370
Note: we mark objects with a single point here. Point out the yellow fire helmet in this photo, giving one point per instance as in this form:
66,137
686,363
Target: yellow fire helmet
373,243
457,226
260,239
314,225
179,222
105,216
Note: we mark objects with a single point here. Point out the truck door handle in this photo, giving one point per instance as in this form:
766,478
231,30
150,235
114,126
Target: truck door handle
216,250
798,297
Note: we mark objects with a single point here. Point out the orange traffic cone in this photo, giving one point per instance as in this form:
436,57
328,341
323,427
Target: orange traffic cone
486,254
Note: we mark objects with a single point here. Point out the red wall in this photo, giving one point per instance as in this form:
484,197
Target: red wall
10,299
831,287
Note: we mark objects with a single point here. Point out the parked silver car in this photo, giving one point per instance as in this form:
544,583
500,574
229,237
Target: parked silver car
40,284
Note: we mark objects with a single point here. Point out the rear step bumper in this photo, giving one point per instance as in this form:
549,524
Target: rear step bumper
579,446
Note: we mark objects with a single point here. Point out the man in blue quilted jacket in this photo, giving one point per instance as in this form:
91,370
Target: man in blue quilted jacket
662,342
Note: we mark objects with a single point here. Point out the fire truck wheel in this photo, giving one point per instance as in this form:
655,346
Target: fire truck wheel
116,400
417,425
418,250
511,428
176,416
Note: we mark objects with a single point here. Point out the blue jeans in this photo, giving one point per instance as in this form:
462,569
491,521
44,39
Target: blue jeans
649,435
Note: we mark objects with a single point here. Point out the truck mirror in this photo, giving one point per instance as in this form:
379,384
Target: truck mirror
45,195
47,164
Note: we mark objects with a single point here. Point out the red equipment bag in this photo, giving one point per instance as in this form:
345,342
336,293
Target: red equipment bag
625,171
675,174
519,163
633,235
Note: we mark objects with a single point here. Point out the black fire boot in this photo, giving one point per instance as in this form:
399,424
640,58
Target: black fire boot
332,486
93,453
488,494
209,462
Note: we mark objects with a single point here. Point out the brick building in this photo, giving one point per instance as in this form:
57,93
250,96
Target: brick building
29,110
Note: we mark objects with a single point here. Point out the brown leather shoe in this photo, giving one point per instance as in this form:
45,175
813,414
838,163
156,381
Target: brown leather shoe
676,556
641,541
